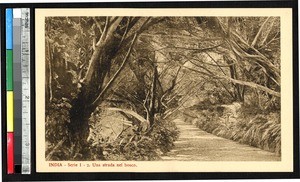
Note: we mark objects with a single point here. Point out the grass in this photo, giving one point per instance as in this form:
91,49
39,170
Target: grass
262,130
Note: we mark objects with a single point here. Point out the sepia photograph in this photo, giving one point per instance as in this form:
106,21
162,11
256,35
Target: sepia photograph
125,91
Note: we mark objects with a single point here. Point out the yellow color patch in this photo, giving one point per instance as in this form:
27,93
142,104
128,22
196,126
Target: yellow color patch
10,111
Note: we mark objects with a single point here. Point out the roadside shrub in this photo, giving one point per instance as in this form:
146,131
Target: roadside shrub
58,142
56,131
250,126
141,145
164,134
131,144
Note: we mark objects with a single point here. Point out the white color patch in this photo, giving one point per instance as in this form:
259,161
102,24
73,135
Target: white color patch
17,12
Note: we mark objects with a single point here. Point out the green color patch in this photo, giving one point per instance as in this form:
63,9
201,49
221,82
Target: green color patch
9,70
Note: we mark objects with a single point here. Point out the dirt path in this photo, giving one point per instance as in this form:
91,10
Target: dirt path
197,145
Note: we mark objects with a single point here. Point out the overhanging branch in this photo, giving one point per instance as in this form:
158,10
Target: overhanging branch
249,84
117,72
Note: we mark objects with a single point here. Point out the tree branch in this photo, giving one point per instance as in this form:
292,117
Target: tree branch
130,112
98,25
259,32
249,84
267,34
197,50
117,73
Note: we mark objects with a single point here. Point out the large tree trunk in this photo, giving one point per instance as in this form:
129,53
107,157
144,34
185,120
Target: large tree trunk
82,105
110,46
92,84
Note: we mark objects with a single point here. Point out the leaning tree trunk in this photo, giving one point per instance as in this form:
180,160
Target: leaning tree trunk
82,105
110,46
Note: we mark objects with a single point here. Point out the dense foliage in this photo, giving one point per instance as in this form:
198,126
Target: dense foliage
245,125
114,83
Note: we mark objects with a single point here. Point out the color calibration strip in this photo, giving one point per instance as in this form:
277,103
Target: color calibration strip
9,91
17,83
18,90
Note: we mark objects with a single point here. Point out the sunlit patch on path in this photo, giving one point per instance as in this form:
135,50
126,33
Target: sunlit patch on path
197,145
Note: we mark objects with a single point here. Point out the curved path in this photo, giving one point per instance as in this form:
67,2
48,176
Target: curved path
195,144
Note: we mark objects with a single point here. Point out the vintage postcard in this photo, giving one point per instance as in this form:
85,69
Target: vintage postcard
164,90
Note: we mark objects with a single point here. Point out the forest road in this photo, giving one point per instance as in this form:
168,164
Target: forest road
195,144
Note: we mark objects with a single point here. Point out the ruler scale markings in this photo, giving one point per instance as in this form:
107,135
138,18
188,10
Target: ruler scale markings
25,67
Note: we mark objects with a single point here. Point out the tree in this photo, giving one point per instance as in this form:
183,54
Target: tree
147,68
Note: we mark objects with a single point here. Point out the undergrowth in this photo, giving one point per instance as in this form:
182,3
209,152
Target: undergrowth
247,126
142,146
132,144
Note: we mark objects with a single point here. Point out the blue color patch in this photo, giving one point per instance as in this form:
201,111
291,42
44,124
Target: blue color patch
9,28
